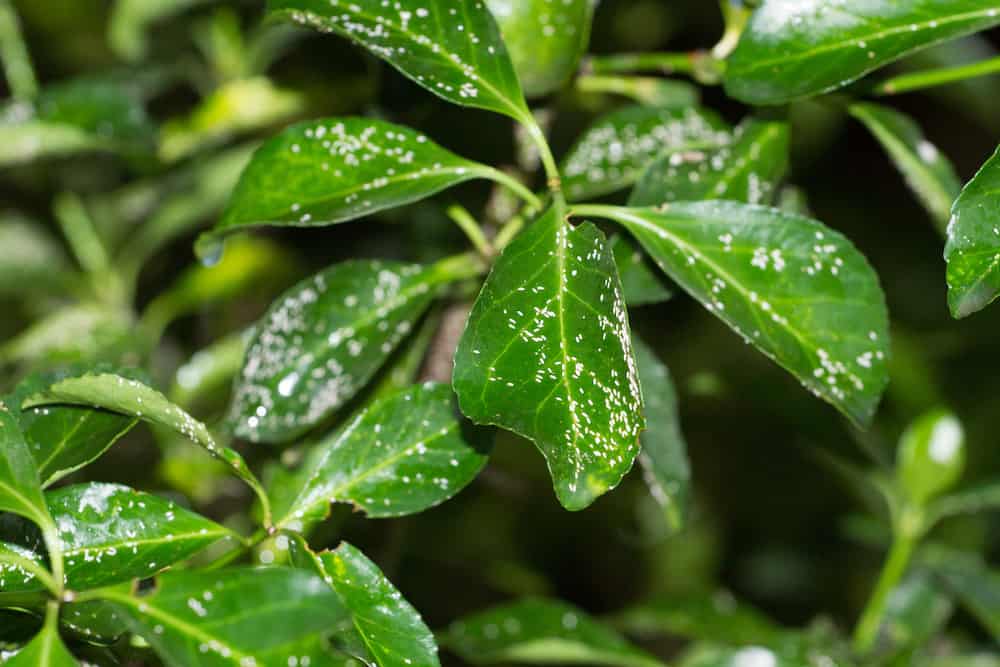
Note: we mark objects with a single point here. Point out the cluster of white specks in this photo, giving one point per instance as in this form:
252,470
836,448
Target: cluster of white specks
13,575
442,52
754,656
614,151
323,340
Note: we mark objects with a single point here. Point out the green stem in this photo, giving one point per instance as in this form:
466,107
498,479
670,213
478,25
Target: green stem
53,544
80,233
626,63
514,186
460,267
640,88
248,544
545,153
16,61
595,210
471,228
736,18
905,83
866,632
508,232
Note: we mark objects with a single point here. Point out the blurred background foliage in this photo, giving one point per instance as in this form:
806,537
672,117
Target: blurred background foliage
772,521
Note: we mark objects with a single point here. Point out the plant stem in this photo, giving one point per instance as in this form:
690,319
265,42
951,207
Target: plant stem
248,544
895,566
625,63
545,153
514,186
736,18
80,233
14,54
471,228
905,83
644,89
53,544
508,232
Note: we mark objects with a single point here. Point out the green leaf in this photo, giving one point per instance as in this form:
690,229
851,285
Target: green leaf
45,650
973,248
93,621
21,569
917,610
982,498
975,585
714,617
324,339
75,117
20,488
210,371
235,107
131,20
748,169
392,632
73,333
538,631
931,456
32,260
612,153
664,453
784,283
402,455
131,397
641,283
928,172
326,171
547,354
750,656
112,534
260,617
797,48
546,40
452,48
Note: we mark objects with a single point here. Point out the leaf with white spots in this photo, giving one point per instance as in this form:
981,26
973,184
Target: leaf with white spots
547,354
45,650
613,152
326,171
131,397
748,169
798,291
453,48
545,38
20,568
112,534
928,172
663,457
538,631
797,48
405,453
642,284
973,248
74,117
93,621
390,629
246,617
20,488
324,339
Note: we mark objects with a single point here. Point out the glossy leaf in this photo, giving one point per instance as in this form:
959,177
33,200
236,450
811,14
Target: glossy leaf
931,456
324,339
74,117
20,568
916,611
642,284
547,354
45,650
973,247
612,153
785,284
714,617
796,48
541,632
131,397
262,617
928,172
451,48
392,632
93,621
73,333
981,498
111,534
545,39
748,169
975,585
402,455
335,169
664,453
20,488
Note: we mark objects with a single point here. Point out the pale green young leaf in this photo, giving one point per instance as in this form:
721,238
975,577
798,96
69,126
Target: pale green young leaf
973,247
664,453
613,152
403,454
453,48
260,617
547,354
748,169
927,171
324,339
797,48
785,283
931,456
326,171
538,631
641,283
545,39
